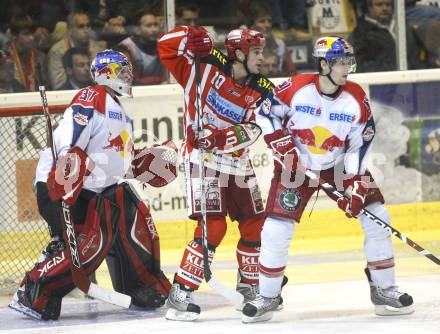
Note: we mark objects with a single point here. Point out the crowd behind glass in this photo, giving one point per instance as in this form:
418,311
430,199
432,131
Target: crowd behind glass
65,35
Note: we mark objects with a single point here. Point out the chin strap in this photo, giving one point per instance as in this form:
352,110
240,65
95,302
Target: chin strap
246,66
330,77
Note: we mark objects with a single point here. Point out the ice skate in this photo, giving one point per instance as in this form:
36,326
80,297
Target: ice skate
251,291
389,301
180,304
260,309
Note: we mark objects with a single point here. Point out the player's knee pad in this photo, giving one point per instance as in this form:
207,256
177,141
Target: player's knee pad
371,228
275,241
216,230
250,229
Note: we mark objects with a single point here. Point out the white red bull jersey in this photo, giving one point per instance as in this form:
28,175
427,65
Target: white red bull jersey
98,124
223,102
325,129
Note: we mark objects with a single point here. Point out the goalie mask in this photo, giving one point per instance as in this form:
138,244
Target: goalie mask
113,69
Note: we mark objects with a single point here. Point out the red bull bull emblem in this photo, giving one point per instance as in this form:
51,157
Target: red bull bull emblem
319,140
121,143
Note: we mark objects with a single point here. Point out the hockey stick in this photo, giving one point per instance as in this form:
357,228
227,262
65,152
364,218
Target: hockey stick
79,276
230,294
373,217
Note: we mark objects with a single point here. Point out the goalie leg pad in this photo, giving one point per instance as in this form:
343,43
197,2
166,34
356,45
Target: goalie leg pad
275,241
378,247
51,280
134,261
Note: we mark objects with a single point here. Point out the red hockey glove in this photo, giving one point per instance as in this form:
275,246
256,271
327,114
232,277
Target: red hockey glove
227,140
199,41
353,206
284,151
156,165
211,138
67,178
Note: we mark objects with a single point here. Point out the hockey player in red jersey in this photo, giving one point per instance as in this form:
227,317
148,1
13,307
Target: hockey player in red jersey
95,152
231,87
324,122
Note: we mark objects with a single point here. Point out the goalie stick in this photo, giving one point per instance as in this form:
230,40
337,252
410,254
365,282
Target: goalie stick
230,294
79,276
373,217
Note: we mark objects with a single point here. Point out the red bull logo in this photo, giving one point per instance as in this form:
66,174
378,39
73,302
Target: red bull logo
322,42
110,70
319,140
121,143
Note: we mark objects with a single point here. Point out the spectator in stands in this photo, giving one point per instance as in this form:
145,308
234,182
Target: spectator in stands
8,83
147,68
24,53
425,20
261,20
271,64
374,40
79,35
114,31
294,14
129,9
76,63
187,14
432,43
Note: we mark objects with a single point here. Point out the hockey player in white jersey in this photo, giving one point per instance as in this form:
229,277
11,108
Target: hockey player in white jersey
323,122
94,145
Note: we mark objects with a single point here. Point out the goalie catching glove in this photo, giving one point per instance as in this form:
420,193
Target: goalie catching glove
353,206
284,150
155,165
66,179
226,140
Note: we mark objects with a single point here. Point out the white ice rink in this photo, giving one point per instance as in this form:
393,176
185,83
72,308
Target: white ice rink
338,307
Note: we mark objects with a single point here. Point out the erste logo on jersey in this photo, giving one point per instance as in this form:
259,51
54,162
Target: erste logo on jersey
225,108
310,110
341,117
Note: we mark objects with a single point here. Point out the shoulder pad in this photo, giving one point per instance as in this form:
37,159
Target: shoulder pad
91,96
261,84
217,58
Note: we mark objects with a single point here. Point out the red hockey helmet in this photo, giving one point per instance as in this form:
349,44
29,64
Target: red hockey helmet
242,39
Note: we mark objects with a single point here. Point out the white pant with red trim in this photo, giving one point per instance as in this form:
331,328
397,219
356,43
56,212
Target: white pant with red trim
278,232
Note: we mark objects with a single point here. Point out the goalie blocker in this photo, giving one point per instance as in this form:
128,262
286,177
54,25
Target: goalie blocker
117,227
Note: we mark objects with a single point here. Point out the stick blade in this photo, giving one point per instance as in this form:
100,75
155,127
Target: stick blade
233,296
109,296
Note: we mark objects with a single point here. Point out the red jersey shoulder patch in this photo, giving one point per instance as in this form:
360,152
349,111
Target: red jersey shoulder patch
91,96
286,90
358,93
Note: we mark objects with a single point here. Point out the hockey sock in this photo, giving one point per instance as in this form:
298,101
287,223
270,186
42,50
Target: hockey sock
378,247
275,240
190,272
